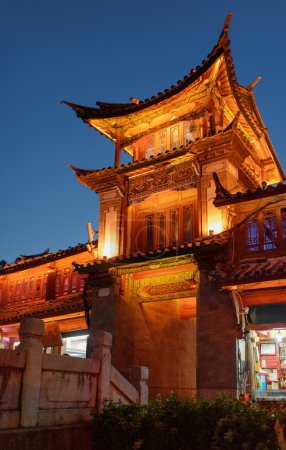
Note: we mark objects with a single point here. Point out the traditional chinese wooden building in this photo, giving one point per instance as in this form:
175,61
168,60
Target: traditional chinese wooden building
166,228
254,276
47,287
189,273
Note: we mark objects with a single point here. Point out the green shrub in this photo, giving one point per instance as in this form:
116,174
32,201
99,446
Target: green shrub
172,424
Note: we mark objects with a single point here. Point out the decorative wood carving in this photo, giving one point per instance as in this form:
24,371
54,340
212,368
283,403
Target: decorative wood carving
166,289
162,287
174,177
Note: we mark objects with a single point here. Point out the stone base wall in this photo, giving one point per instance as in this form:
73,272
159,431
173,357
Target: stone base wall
56,438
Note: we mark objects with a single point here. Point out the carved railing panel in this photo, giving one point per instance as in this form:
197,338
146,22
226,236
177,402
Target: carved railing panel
175,177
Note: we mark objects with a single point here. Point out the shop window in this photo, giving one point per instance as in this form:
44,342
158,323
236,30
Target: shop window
175,140
162,231
268,363
74,343
150,147
188,223
149,232
162,141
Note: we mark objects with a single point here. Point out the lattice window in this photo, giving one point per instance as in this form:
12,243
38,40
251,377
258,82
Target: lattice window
82,282
266,231
188,223
38,288
269,230
283,224
11,292
24,289
174,227
18,291
162,231
150,147
162,141
44,288
149,232
74,281
175,138
58,282
66,282
31,288
252,235
189,129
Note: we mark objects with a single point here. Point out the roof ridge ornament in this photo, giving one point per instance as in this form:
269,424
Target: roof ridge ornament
220,191
254,83
226,25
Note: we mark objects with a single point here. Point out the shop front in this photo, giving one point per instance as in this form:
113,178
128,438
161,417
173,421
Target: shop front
267,351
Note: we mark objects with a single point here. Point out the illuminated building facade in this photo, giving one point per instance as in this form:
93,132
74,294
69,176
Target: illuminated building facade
189,271
47,287
166,243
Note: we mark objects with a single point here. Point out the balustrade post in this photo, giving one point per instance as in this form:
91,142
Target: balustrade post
31,332
102,342
138,377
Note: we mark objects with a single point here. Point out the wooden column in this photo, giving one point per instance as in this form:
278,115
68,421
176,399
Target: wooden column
117,150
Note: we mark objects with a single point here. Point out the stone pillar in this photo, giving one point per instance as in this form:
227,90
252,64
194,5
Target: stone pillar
104,303
102,343
138,377
216,342
31,332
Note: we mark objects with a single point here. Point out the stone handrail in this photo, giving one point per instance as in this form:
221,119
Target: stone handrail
38,389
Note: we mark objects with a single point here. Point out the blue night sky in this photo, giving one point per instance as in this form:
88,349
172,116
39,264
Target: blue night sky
109,51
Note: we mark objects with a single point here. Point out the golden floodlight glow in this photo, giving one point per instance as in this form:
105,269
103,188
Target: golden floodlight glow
216,227
110,245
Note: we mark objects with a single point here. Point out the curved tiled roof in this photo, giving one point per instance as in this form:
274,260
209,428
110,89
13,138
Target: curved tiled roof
223,197
106,110
151,160
237,97
252,271
67,305
200,246
25,261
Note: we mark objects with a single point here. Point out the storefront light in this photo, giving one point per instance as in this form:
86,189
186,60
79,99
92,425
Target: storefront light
279,336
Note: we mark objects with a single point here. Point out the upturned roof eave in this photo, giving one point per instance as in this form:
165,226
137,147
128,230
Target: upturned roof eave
113,110
28,263
96,117
190,150
266,135
87,113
